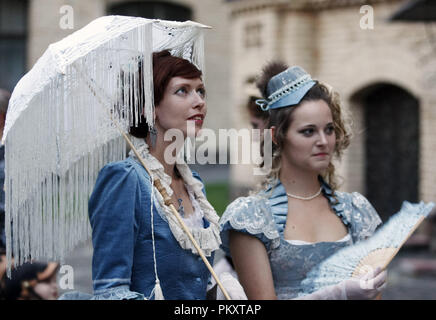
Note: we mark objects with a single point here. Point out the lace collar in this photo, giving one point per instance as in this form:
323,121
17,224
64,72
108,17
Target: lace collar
208,238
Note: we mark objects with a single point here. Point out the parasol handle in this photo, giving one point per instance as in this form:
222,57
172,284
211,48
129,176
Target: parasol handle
169,202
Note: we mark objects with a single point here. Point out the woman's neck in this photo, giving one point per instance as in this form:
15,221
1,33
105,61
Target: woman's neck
158,151
299,182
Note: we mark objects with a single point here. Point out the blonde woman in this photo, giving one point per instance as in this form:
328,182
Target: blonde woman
277,235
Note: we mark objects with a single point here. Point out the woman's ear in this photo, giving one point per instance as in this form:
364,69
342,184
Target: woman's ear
273,134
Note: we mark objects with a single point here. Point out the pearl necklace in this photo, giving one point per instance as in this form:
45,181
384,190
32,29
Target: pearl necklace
305,198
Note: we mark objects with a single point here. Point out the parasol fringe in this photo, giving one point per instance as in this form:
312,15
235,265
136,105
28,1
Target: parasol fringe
40,230
57,139
47,205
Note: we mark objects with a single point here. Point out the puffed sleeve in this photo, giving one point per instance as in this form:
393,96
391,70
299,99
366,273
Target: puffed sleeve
363,217
114,230
250,215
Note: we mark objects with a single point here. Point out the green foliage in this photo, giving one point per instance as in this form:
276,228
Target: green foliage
218,196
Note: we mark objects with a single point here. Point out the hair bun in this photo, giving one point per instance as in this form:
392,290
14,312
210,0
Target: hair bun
269,71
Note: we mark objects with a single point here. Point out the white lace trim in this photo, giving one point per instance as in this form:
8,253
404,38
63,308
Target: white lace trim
194,220
253,214
209,238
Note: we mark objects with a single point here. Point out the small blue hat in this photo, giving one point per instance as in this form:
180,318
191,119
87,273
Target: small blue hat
286,89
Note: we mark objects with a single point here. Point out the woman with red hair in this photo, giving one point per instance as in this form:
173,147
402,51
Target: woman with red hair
140,251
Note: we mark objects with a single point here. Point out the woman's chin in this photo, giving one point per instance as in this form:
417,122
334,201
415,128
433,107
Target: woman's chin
198,132
195,134
320,168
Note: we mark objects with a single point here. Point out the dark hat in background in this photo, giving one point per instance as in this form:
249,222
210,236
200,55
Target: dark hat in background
24,278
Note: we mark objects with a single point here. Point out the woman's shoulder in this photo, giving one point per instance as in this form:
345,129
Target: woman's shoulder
250,215
355,201
128,168
249,207
125,179
360,213
126,165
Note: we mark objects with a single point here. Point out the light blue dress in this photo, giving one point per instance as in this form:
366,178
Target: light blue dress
263,216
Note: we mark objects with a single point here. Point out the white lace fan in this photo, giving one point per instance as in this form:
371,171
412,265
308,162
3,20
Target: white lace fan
367,255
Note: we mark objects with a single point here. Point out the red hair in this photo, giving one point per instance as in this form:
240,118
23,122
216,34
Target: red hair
165,67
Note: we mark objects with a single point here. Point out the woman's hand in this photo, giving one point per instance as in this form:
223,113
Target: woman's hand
367,287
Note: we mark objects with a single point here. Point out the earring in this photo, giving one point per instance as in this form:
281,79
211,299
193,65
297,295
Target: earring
153,136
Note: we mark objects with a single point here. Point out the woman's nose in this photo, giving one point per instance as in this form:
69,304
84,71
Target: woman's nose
322,139
199,101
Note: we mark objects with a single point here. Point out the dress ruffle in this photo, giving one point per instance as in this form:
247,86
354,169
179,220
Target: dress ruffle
337,206
363,218
117,293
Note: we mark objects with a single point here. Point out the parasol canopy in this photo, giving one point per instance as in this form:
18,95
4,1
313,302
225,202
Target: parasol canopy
59,132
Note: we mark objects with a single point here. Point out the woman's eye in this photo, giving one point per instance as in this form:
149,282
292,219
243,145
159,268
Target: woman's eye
182,91
307,132
330,130
201,92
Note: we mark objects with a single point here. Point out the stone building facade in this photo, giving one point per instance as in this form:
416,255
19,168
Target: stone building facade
386,76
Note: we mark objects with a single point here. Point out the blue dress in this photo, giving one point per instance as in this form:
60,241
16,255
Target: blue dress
119,212
123,261
263,216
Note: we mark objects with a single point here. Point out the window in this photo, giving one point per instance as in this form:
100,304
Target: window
13,38
253,35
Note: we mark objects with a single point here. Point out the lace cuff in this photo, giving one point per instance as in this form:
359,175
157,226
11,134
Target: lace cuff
249,215
75,295
117,293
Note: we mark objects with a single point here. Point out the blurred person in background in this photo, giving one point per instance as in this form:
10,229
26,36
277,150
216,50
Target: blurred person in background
4,101
31,281
258,118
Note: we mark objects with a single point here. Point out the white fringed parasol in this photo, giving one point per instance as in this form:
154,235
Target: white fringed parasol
68,117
